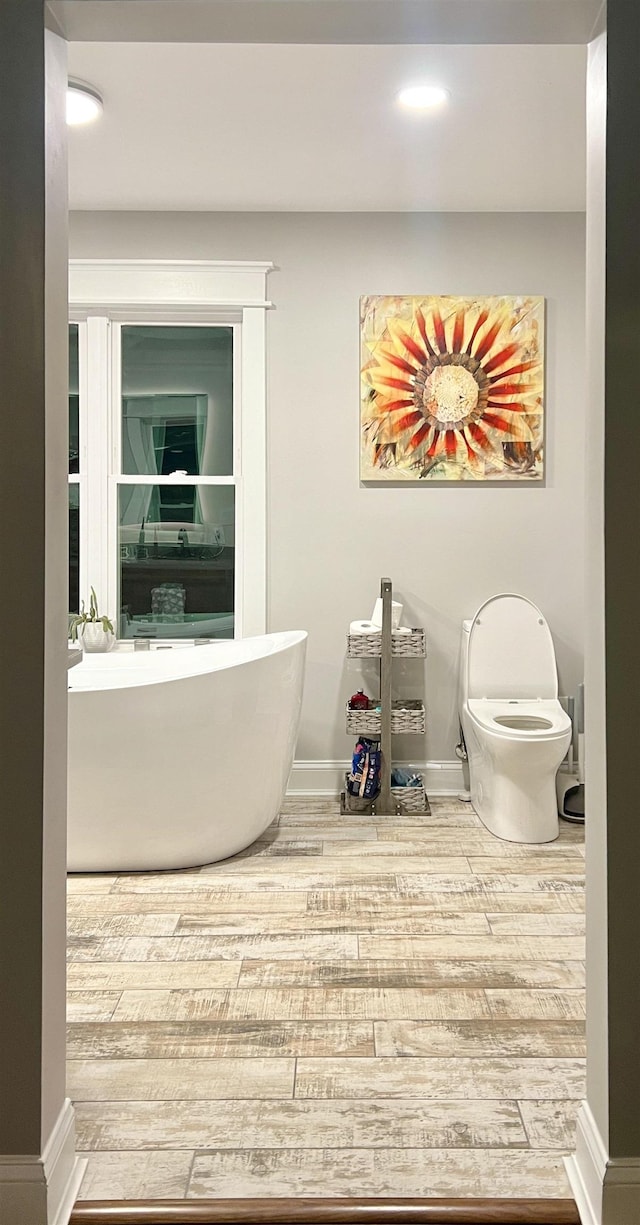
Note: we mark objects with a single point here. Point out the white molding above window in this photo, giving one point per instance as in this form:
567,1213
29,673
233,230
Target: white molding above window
207,292
180,283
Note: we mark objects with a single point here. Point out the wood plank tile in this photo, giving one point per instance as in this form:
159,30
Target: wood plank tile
123,976
550,1125
440,1078
270,848
122,925
537,865
536,1005
210,948
320,874
423,922
333,863
96,882
438,842
322,832
387,904
362,1003
451,803
406,827
425,852
91,1005
325,820
121,1175
419,884
155,1005
523,924
117,1080
404,972
218,1039
384,825
310,803
517,1039
300,1124
525,948
571,832
206,902
378,1173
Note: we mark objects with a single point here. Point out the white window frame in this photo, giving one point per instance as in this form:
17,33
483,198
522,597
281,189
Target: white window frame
104,295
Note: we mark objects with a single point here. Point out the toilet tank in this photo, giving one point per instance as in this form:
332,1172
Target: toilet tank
509,652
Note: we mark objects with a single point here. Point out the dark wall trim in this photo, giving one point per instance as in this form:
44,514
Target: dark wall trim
328,1212
22,566
622,563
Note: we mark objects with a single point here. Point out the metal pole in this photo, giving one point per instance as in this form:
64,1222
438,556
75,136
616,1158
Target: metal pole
384,804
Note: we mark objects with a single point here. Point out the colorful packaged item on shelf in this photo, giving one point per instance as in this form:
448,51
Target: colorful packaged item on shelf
364,779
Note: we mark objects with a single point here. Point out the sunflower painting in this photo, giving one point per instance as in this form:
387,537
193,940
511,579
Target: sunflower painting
452,389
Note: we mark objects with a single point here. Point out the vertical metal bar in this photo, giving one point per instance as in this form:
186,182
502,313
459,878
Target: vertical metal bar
385,801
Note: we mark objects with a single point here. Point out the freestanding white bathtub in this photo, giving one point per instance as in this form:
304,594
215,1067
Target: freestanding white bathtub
180,757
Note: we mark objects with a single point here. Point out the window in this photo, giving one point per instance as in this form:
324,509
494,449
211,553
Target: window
167,446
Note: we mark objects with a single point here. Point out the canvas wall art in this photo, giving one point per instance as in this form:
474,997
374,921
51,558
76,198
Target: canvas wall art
452,388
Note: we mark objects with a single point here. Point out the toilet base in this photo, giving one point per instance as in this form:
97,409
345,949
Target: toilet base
524,812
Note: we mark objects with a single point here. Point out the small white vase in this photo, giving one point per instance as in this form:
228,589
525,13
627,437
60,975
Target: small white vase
93,637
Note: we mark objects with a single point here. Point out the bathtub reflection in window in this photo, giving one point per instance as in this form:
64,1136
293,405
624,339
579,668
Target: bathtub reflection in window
74,547
177,561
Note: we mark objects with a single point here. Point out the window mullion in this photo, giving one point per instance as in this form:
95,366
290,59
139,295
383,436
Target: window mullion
114,425
97,448
252,488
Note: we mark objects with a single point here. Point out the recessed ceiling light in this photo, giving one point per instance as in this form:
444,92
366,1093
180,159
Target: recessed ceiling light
423,97
84,103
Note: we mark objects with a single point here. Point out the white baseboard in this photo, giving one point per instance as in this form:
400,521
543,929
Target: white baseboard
587,1167
326,778
41,1190
606,1189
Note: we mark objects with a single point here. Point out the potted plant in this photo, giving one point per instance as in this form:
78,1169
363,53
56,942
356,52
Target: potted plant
92,631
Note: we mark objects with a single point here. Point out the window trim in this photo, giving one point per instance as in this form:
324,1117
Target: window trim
210,292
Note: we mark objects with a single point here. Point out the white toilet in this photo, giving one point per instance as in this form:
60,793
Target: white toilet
515,730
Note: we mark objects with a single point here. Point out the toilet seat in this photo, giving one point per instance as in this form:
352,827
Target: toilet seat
513,719
511,653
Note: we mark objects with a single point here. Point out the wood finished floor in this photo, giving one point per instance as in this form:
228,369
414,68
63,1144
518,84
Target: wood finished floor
351,1007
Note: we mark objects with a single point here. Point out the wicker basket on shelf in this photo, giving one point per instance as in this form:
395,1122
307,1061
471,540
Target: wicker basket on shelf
410,799
361,646
407,799
406,717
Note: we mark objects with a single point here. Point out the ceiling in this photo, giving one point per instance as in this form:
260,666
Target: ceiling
316,128
327,21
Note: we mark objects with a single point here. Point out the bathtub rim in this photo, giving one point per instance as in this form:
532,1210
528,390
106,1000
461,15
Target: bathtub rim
145,670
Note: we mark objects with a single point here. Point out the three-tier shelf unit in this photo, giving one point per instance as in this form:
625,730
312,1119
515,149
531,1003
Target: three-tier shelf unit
386,718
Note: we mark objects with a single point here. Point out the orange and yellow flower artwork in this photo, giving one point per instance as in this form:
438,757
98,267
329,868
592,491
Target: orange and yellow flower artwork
452,388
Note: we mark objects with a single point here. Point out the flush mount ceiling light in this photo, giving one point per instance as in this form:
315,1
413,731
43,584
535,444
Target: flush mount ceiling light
423,97
84,103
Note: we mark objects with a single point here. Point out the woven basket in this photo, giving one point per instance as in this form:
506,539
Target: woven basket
407,799
361,646
410,799
407,717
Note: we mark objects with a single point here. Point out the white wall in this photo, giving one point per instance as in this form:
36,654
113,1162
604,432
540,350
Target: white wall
331,539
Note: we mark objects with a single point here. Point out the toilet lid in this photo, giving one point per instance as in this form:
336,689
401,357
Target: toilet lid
511,652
